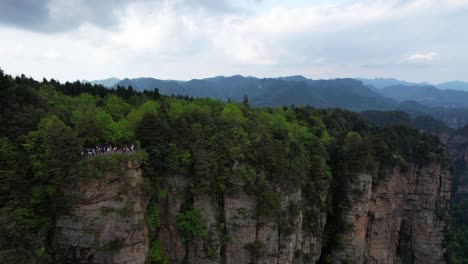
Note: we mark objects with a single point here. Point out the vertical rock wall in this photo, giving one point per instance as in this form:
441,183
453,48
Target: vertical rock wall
106,224
398,218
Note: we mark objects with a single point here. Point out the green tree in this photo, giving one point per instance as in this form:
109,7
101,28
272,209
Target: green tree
190,223
116,107
54,152
232,113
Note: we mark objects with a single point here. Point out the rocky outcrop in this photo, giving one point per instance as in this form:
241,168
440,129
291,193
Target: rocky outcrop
106,223
397,219
235,233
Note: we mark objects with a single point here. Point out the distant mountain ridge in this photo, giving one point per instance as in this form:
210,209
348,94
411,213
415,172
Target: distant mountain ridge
449,106
380,83
109,82
298,90
454,85
427,95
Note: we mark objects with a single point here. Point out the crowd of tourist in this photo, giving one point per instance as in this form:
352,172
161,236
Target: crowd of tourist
106,149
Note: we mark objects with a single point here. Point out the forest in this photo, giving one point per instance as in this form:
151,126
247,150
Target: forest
46,125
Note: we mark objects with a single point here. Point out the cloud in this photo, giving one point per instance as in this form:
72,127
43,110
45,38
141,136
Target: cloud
182,39
52,55
423,57
55,16
52,16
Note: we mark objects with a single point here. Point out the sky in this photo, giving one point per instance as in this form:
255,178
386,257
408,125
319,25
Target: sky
413,40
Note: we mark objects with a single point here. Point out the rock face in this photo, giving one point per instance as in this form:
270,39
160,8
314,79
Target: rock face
106,224
398,219
234,232
395,219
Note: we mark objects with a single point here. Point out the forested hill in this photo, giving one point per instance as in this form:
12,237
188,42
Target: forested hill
295,90
288,170
427,95
416,99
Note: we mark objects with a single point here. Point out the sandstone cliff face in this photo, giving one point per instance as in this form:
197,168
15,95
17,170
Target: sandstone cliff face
398,219
106,224
394,219
234,232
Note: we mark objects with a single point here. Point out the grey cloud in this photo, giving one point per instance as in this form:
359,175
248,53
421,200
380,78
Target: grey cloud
23,13
55,16
49,16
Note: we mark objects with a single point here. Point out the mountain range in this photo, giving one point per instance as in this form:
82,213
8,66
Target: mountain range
381,83
447,105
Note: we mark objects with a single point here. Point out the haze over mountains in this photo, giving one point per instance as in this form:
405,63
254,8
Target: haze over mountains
297,90
380,83
442,102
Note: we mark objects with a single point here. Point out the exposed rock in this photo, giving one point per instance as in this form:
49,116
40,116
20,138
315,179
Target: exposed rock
241,227
207,250
170,237
399,218
395,218
106,225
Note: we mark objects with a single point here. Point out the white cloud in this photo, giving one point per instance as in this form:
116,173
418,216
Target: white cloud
423,57
52,55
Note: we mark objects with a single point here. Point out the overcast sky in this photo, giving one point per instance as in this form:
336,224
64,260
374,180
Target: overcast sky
414,40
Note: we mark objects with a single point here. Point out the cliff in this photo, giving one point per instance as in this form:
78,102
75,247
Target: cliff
398,218
106,222
217,183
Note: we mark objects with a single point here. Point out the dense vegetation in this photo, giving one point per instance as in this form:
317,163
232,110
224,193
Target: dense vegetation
457,238
447,106
270,151
423,122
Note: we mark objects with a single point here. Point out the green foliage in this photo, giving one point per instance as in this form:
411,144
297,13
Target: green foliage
7,168
457,237
190,223
156,254
232,113
222,148
136,115
152,218
116,107
54,151
18,240
268,201
96,166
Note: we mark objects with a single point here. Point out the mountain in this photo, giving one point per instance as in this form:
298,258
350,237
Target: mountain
380,83
427,123
220,87
448,106
455,85
427,95
297,90
110,82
